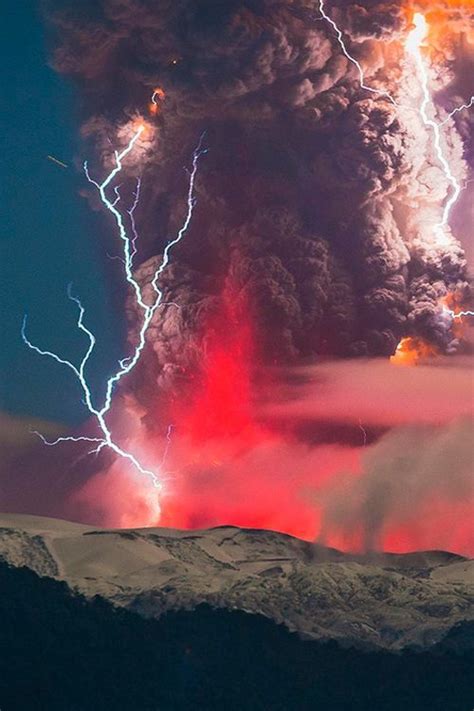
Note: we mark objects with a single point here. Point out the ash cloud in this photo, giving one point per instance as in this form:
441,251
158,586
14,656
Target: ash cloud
412,473
315,196
401,479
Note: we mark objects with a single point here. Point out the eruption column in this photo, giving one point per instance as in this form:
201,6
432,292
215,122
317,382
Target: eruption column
126,365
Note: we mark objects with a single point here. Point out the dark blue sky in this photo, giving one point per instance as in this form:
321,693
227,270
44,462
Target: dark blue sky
49,236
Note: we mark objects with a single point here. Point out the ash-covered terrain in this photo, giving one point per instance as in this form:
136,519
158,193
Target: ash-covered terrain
373,601
385,632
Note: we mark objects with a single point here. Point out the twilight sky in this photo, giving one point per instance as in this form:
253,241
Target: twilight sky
48,233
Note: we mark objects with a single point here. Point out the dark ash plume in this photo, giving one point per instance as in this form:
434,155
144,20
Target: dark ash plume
303,195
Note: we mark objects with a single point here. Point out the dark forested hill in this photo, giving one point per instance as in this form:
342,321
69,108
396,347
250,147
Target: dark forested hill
59,651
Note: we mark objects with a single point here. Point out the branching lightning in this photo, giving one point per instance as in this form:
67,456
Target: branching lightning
111,203
340,39
127,364
413,46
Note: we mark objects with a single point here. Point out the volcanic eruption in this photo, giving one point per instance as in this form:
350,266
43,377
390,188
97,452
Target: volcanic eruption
321,229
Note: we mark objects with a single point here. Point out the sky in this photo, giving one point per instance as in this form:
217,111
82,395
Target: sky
49,235
264,394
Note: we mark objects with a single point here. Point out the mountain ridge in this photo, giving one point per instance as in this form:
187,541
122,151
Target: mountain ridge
379,600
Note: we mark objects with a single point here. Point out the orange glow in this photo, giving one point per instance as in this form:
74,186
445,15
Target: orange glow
135,125
411,350
460,323
452,4
443,20
154,107
453,304
140,124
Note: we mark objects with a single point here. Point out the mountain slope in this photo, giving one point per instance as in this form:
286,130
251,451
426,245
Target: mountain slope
60,652
378,601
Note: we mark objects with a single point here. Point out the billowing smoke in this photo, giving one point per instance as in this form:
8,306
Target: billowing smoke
317,199
317,459
414,478
314,234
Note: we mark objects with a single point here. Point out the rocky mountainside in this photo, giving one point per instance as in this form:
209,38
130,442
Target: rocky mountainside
378,601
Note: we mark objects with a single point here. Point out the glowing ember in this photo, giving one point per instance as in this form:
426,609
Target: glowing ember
158,96
411,350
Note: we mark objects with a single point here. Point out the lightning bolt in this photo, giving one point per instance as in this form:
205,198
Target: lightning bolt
364,432
413,46
340,39
459,314
415,49
168,444
455,111
127,364
131,213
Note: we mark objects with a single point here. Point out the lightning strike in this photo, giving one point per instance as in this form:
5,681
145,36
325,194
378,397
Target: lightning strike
457,314
340,39
131,214
157,98
127,364
169,432
364,432
455,111
413,46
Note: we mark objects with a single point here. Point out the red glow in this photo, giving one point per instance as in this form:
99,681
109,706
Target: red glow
221,405
227,466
